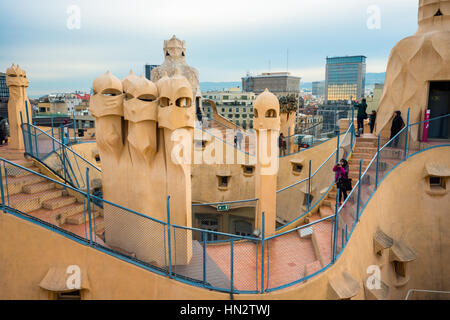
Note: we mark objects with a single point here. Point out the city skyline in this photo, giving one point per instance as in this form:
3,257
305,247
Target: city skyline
223,47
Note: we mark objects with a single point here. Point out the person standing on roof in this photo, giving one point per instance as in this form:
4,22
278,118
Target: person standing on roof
362,115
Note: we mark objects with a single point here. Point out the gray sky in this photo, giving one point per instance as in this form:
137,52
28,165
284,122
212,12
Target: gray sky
224,39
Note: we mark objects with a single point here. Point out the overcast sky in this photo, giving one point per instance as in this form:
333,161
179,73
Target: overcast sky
225,39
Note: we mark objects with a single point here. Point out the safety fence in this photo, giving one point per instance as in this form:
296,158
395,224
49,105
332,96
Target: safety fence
59,158
307,138
307,193
404,144
233,263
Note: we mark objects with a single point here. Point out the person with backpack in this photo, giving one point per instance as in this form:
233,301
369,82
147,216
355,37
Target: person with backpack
361,116
343,183
397,126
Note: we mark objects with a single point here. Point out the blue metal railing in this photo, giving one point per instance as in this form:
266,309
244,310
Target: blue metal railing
57,156
218,262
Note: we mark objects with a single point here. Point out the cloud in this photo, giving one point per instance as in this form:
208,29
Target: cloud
224,39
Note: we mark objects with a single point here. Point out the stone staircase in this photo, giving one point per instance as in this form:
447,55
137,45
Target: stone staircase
43,199
365,149
321,233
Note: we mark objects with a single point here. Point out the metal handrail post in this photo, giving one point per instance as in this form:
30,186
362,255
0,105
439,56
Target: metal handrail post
359,190
2,191
378,161
28,126
168,236
88,193
74,123
262,253
231,265
63,155
337,146
406,137
309,186
53,135
336,223
204,258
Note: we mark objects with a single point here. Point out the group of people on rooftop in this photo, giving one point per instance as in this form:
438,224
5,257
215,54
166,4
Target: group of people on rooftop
341,169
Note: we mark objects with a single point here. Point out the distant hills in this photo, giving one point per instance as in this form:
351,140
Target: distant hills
219,86
371,79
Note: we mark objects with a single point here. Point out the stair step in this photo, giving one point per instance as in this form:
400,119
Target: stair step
369,144
365,156
13,171
15,184
58,216
330,202
38,187
366,139
355,161
81,217
58,202
325,211
29,202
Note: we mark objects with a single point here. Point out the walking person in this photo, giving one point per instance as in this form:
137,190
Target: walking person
397,126
341,179
372,118
362,115
282,145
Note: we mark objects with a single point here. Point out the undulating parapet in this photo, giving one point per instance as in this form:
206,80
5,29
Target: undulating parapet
381,241
400,254
343,287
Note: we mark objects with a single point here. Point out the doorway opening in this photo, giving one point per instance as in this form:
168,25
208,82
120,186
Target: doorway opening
439,105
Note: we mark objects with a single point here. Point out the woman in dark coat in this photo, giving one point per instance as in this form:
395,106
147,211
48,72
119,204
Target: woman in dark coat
397,125
341,178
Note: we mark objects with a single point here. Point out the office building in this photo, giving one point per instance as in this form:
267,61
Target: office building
4,96
279,83
233,104
148,70
345,78
318,88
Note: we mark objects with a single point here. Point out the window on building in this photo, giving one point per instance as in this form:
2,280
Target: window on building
297,167
271,113
211,224
242,228
249,170
437,183
223,181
